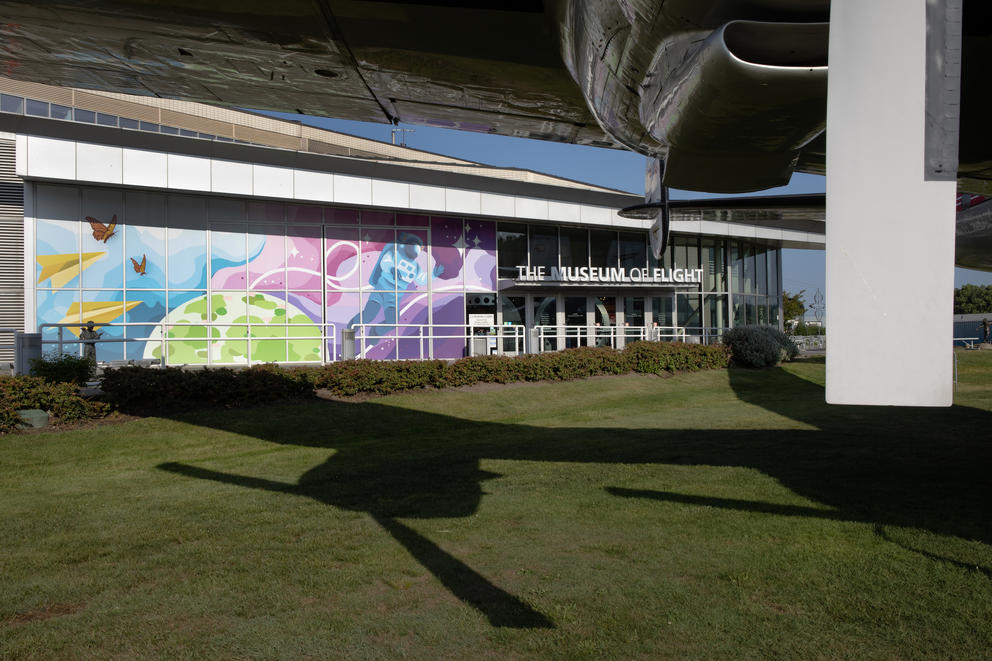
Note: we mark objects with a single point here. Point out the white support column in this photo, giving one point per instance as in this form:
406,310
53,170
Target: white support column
890,233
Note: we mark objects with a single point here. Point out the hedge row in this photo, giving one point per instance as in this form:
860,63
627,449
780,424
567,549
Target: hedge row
151,390
61,400
145,389
382,377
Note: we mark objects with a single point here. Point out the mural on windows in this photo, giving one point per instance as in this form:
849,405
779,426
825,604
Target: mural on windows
226,281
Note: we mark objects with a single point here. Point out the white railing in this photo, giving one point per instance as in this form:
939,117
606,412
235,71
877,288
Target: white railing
476,340
161,334
965,341
554,338
810,342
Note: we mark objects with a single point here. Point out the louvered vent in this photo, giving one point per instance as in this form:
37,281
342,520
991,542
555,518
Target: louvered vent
11,250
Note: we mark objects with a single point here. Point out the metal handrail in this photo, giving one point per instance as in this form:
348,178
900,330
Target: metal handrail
501,334
329,334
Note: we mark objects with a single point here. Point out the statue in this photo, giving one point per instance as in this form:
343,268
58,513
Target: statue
89,336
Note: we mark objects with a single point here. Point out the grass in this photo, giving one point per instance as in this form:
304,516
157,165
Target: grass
722,514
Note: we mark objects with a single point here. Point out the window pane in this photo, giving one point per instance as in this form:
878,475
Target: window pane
126,123
149,126
740,312
633,310
773,285
662,310
633,250
187,133
171,130
87,116
60,112
513,310
747,253
714,253
737,267
761,270
36,108
716,311
511,244
603,248
206,136
574,247
690,312
106,120
686,252
10,103
543,246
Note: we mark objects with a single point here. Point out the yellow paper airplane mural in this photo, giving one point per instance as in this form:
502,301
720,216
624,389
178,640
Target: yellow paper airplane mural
99,312
63,268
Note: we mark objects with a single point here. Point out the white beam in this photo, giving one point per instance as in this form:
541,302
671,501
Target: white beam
889,232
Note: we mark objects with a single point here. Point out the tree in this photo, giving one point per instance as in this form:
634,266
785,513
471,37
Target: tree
973,299
793,306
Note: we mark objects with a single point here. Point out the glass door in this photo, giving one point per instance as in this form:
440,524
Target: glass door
576,323
633,318
546,321
605,319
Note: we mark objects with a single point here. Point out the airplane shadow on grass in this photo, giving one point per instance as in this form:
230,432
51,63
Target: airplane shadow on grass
920,468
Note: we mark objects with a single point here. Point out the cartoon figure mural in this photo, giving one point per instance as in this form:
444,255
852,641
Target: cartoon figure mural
396,269
201,280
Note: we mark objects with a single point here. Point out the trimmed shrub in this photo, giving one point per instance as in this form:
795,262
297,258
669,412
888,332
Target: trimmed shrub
143,389
351,377
63,369
759,346
658,357
61,400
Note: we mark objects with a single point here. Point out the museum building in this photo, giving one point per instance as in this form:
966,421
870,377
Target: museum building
194,234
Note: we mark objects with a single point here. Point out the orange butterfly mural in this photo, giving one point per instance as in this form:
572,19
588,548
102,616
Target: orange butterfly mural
139,268
102,232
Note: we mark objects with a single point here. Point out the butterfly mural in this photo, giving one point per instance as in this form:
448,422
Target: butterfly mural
139,267
102,232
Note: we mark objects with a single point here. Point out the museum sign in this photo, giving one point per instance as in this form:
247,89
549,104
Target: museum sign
612,276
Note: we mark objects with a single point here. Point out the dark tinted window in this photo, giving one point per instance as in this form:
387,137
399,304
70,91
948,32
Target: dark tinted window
543,246
126,123
10,103
87,116
633,250
60,112
603,248
511,239
36,108
148,126
171,130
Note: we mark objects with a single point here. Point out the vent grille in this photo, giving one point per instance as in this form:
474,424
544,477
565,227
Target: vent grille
11,249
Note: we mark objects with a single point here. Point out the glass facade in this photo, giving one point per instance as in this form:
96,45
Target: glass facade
209,280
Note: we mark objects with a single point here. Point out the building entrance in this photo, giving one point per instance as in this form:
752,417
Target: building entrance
595,319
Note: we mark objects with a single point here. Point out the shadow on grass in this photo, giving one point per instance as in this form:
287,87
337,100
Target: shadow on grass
918,468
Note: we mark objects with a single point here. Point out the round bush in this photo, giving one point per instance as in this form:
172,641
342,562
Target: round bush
759,346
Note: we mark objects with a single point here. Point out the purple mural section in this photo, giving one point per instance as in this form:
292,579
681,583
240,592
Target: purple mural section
480,255
449,319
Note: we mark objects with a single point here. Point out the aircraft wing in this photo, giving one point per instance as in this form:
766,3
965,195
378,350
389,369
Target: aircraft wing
648,76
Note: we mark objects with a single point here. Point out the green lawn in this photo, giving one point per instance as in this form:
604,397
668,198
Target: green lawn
724,514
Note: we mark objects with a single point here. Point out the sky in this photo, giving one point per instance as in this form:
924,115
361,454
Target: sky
612,168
